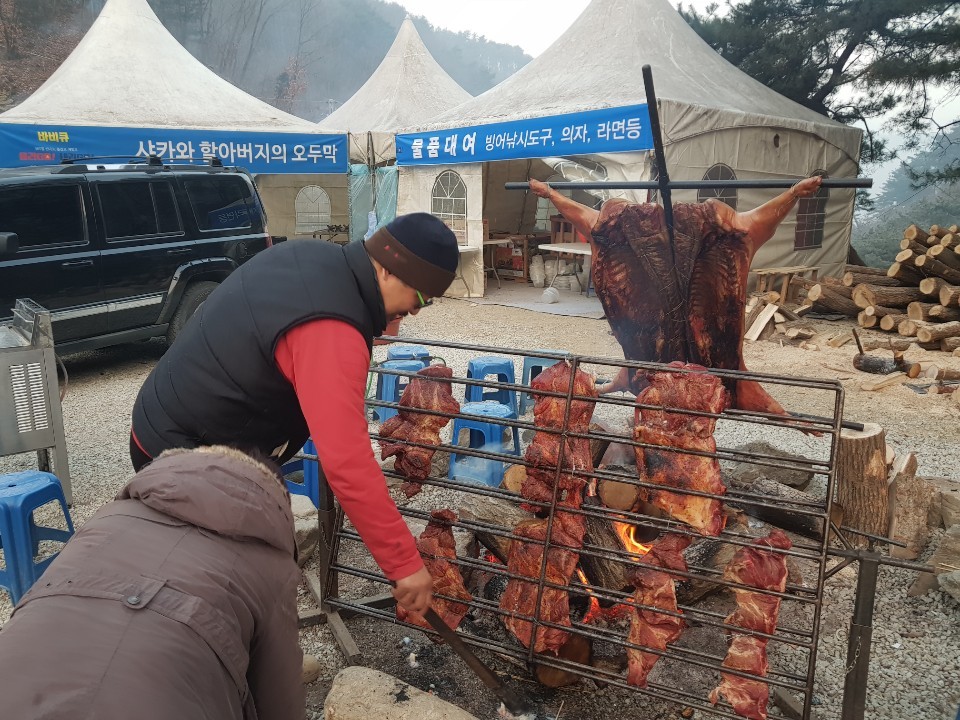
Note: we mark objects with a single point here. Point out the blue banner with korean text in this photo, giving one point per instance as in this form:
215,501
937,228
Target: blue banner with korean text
619,129
259,152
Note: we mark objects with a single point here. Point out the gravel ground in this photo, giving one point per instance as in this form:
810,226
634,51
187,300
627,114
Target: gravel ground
915,670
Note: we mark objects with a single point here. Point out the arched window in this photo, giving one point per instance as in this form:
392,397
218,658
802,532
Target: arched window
811,214
313,209
545,208
726,195
449,203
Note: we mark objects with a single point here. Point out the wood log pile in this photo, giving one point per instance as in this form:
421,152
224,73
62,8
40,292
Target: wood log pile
916,298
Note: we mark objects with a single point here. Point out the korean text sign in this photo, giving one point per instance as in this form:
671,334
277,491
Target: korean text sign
620,129
258,152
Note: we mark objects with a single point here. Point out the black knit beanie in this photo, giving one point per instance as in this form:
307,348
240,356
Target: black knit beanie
419,249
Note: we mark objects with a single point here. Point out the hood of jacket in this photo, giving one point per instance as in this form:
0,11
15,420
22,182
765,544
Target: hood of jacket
221,490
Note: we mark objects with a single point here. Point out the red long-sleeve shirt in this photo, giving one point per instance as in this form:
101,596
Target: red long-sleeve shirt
327,362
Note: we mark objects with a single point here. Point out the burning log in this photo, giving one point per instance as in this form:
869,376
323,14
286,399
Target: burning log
493,511
779,514
612,534
576,649
861,472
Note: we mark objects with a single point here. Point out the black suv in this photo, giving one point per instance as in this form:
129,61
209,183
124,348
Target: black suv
123,252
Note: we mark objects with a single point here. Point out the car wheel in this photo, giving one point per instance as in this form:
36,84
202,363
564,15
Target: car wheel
191,301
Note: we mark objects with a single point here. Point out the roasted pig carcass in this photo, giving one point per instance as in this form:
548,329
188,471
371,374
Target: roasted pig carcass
684,302
544,453
526,558
429,390
438,549
766,570
689,389
655,588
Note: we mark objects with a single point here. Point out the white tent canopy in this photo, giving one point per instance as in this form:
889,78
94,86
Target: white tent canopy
408,88
711,113
129,71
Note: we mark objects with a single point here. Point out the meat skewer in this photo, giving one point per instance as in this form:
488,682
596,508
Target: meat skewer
438,548
429,390
693,390
765,570
655,589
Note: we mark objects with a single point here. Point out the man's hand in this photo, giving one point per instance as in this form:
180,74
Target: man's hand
415,592
806,187
540,189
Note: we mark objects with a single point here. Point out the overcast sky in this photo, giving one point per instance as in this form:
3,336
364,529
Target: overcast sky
531,24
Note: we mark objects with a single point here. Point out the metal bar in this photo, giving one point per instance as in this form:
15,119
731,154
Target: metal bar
861,635
838,183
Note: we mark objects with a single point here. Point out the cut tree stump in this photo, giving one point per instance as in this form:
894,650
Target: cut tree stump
910,500
880,365
861,473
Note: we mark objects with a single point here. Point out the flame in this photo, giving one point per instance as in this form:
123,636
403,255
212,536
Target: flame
627,532
594,610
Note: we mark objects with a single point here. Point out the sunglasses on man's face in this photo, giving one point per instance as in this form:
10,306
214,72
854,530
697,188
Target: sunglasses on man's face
423,303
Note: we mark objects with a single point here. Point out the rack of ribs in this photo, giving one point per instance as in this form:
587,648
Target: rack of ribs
429,390
438,548
656,589
543,453
694,390
766,570
525,559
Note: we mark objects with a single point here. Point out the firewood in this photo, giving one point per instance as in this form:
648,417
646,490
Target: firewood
754,331
493,511
915,233
936,332
956,352
913,246
949,295
879,311
931,286
906,257
895,343
879,365
908,274
950,240
576,649
949,344
908,327
935,372
938,230
830,299
945,255
918,369
890,322
841,339
800,333
513,478
864,270
939,313
920,310
861,473
867,321
619,495
888,381
931,266
865,295
945,559
782,516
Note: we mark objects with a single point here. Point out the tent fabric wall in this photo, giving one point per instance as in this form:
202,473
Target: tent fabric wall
279,195
415,194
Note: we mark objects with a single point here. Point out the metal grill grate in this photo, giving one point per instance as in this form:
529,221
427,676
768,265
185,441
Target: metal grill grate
691,666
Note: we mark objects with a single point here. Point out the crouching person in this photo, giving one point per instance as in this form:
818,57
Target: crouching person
176,600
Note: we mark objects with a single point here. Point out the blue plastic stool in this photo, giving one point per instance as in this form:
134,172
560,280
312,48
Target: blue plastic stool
391,387
20,494
533,366
483,435
311,475
479,368
409,352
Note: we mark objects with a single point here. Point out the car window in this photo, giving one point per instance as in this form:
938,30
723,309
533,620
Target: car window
137,209
43,216
221,202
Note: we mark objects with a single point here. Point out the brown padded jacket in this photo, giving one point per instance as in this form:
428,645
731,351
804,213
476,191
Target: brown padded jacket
176,600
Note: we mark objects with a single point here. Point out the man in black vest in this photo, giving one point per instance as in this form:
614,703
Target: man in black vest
280,352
